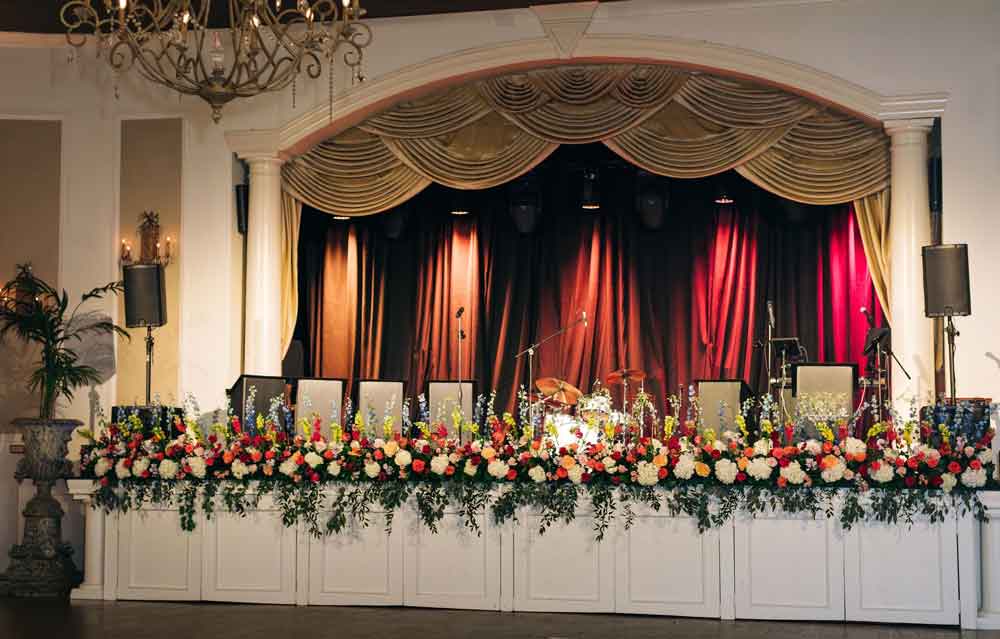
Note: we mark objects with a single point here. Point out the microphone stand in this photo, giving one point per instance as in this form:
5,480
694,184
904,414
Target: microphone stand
530,352
461,398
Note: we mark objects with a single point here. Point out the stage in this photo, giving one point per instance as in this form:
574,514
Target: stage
773,567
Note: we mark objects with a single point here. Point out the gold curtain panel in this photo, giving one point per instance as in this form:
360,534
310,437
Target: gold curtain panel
668,121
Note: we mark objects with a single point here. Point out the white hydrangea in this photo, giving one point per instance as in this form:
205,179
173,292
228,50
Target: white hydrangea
575,474
685,467
313,460
372,469
333,468
497,469
537,474
762,447
439,464
288,467
854,446
884,474
140,466
470,468
835,472
121,470
793,473
102,466
197,466
168,469
759,469
726,471
647,474
974,478
239,469
948,481
403,458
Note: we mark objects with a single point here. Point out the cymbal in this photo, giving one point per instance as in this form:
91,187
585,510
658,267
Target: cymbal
622,375
558,390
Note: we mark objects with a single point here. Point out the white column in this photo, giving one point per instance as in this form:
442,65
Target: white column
262,336
93,542
909,230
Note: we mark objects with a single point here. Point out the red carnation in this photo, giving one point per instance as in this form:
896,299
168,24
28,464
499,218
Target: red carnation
419,465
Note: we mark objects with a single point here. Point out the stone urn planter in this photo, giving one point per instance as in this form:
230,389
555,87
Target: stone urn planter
42,564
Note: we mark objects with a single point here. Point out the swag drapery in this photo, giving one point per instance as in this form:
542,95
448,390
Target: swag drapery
669,121
684,302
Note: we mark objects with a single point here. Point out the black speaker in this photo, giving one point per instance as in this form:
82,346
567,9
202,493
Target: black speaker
946,280
934,183
242,207
145,295
265,389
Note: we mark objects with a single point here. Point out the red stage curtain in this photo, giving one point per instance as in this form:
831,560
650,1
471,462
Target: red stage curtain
684,302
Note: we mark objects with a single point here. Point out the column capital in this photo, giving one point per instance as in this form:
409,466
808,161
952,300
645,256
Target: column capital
256,146
911,125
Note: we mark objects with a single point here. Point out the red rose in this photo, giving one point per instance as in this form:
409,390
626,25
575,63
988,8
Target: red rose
450,470
104,481
475,459
419,465
328,454
585,477
127,463
975,464
378,454
741,476
954,467
662,473
616,479
426,449
936,481
561,472
910,481
314,478
617,456
716,454
511,474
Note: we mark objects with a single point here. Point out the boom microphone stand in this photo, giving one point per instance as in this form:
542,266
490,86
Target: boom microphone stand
461,338
530,352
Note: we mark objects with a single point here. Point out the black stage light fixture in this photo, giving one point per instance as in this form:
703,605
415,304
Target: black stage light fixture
652,200
590,196
460,203
524,200
724,195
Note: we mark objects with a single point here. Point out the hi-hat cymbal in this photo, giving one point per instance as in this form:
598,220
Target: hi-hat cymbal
620,376
558,390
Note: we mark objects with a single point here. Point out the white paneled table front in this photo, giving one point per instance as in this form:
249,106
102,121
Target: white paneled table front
769,567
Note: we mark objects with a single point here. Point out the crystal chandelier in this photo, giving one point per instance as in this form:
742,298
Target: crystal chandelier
264,48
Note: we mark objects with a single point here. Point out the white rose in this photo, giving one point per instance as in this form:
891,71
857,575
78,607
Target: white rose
985,456
793,473
197,465
726,470
320,446
762,447
647,474
439,464
575,474
948,481
470,468
497,469
102,466
313,459
884,474
140,466
121,470
969,451
854,446
719,445
974,478
333,468
609,465
168,469
239,469
685,467
372,469
454,458
288,467
813,447
403,458
759,469
537,474
834,473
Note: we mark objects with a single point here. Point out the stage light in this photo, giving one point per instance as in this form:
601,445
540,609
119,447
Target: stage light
590,198
722,196
341,218
459,204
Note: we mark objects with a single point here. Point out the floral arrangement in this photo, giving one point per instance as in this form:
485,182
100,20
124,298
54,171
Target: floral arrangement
899,469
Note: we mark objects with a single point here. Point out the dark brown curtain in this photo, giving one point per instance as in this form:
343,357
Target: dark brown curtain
683,301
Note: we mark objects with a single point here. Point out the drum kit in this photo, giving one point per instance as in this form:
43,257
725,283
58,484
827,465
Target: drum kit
559,397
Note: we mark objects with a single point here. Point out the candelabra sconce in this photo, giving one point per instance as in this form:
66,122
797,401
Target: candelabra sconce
151,249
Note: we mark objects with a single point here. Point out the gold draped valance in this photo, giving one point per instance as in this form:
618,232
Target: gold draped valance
668,121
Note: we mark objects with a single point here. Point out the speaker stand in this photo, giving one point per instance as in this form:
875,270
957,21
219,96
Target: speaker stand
952,333
149,365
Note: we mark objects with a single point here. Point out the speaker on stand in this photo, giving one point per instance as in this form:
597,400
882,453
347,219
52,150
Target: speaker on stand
947,292
145,307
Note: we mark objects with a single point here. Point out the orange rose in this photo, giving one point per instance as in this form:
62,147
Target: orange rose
829,462
860,457
660,460
742,463
702,469
567,462
488,453
227,457
782,482
748,452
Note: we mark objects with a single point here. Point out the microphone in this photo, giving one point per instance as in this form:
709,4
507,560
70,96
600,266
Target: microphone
461,309
868,315
770,314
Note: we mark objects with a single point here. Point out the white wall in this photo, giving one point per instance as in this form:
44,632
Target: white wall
892,47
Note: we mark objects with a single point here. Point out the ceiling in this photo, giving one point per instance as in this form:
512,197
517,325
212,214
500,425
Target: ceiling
42,16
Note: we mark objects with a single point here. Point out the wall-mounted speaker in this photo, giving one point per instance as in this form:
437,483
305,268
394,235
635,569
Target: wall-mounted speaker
242,192
145,295
946,280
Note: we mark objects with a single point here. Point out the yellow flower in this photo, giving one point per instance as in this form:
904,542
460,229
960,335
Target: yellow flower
390,448
742,463
702,469
568,462
488,453
660,460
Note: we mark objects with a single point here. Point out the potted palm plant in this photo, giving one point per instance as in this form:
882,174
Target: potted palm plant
35,312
